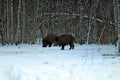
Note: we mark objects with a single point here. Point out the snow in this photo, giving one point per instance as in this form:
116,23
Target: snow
33,62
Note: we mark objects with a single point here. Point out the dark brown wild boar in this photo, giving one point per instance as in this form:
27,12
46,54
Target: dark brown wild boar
65,40
48,40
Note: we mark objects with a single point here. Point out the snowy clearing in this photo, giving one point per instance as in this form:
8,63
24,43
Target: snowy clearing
85,62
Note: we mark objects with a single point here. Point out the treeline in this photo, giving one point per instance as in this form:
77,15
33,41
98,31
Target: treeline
28,21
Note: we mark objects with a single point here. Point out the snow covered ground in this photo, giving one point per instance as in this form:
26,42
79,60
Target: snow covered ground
85,62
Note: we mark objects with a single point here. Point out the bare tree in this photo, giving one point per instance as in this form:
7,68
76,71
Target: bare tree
118,12
34,22
24,27
12,26
18,22
8,21
90,21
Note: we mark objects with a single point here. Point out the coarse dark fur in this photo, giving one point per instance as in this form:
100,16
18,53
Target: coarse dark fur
48,40
65,40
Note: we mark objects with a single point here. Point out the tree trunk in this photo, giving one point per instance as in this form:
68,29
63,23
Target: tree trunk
95,30
35,22
24,29
90,22
11,29
118,4
8,21
4,23
18,23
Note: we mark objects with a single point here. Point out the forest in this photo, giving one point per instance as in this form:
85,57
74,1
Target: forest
28,21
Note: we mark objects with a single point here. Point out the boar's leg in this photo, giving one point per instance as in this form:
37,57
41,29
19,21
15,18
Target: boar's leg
71,46
62,47
50,44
